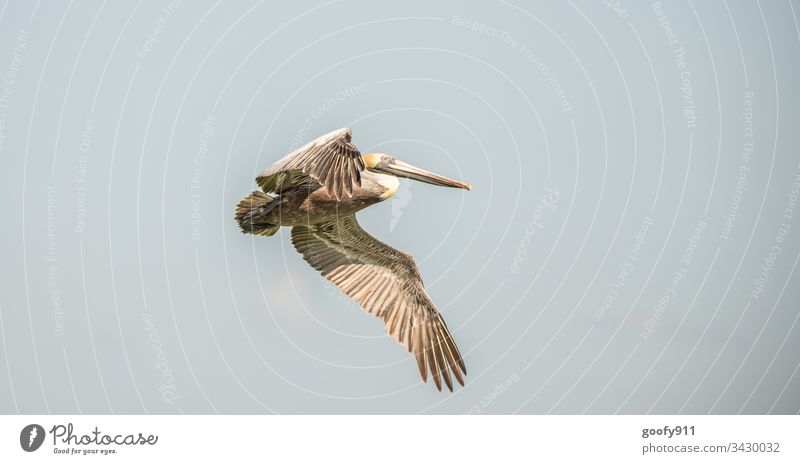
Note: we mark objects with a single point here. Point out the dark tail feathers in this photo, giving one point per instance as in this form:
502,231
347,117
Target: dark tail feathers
248,211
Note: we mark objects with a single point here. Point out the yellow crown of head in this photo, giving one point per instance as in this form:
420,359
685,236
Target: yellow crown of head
372,159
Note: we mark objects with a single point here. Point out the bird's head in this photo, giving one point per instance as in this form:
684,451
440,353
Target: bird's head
385,164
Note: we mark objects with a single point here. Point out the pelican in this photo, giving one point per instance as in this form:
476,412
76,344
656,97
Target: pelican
317,190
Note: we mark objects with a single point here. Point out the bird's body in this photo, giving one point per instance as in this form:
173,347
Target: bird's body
311,204
317,190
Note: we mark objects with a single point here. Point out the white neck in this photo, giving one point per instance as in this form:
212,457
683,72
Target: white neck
390,183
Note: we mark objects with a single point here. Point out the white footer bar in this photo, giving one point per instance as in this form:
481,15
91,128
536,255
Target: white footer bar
406,439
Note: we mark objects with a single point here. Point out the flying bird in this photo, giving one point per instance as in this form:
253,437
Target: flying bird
317,190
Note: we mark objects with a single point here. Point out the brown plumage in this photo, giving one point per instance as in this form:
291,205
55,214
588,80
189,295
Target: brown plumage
387,284
317,190
330,160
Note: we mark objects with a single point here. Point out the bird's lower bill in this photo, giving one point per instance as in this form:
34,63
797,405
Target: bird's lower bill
401,169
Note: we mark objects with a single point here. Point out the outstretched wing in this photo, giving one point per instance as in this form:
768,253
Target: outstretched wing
331,160
386,283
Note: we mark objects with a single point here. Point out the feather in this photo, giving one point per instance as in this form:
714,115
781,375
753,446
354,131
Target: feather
329,160
386,283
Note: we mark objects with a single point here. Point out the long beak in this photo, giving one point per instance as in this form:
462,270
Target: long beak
401,169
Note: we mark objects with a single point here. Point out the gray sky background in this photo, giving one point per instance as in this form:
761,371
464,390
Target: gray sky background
630,244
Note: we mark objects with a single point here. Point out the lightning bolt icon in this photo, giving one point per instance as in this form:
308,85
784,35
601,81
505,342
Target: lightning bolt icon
34,432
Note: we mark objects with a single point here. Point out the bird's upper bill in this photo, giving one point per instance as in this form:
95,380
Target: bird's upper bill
384,164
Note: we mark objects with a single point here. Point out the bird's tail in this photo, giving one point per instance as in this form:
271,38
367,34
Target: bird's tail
250,209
